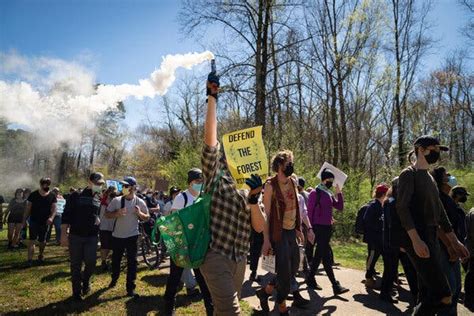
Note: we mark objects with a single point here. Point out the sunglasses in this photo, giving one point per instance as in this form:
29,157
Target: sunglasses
126,186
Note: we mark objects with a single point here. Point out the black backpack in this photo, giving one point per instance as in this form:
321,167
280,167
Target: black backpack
360,220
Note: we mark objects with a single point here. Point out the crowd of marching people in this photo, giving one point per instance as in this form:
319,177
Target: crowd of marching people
417,220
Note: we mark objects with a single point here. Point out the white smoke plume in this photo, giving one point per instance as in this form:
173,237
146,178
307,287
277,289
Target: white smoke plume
56,99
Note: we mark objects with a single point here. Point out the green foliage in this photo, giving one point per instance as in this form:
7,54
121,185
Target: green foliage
177,170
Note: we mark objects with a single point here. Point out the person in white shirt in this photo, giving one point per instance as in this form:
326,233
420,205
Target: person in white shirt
182,200
128,210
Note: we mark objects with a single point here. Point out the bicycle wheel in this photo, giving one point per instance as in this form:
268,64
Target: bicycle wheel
150,253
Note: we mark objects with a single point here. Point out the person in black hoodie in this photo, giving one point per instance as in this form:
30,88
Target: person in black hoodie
373,222
81,218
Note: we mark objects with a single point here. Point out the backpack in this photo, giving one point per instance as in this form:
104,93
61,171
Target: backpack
186,232
360,220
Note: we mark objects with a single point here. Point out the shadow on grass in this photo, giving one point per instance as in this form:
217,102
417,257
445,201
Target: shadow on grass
67,306
23,265
54,276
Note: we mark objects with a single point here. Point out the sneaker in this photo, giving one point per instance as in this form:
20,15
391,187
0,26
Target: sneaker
169,308
388,298
370,283
86,289
133,294
339,289
29,263
112,283
312,284
104,266
192,292
263,298
299,301
77,298
40,259
253,276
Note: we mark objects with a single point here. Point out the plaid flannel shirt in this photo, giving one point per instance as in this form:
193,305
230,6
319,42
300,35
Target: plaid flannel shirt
230,213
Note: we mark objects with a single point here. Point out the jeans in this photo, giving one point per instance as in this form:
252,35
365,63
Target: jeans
82,249
172,285
57,228
256,244
322,235
432,283
119,245
287,260
452,271
224,278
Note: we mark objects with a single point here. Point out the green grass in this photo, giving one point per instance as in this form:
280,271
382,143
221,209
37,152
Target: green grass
46,289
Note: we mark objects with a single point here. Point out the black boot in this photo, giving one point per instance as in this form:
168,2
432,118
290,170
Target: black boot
312,284
338,288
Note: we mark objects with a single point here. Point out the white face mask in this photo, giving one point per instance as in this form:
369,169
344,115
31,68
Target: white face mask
149,195
96,188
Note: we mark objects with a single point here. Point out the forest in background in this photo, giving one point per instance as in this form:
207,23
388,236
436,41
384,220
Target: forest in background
338,81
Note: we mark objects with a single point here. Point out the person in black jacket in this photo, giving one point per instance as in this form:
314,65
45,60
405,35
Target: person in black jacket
81,218
373,232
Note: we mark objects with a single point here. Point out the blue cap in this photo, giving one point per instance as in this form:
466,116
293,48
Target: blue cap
129,181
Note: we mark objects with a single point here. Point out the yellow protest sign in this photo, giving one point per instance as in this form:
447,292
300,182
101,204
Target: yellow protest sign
245,154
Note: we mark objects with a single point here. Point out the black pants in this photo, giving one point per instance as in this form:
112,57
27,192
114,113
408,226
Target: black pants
82,250
390,270
432,283
410,274
119,245
322,235
469,284
373,254
256,243
287,260
172,285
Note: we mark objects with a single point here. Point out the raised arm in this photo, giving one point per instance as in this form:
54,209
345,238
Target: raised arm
210,126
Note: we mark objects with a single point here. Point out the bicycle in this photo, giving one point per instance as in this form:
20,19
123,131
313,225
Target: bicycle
153,253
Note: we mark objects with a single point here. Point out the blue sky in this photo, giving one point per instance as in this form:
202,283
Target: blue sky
126,39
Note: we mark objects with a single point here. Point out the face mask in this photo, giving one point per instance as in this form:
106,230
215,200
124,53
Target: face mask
45,189
289,169
329,184
432,157
149,196
197,187
463,199
96,188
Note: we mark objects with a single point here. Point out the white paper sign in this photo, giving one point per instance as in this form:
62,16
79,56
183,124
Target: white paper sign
268,264
339,176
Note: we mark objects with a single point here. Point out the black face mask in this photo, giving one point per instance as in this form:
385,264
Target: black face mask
289,170
432,157
463,199
329,184
45,189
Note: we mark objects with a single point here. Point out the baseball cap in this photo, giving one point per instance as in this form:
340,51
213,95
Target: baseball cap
460,190
174,190
129,181
426,141
97,178
381,188
194,174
